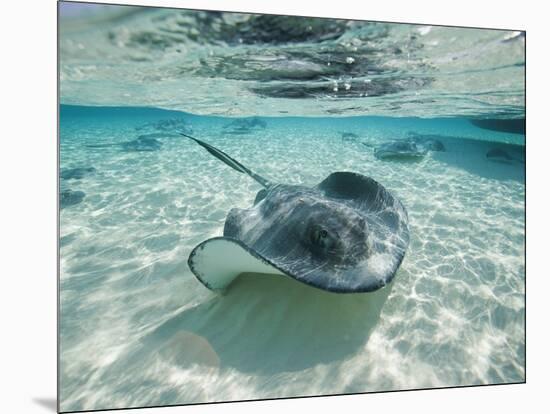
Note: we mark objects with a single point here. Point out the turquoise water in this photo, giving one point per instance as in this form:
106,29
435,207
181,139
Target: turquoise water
137,328
293,100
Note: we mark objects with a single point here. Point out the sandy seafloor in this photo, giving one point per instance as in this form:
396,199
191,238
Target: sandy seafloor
138,329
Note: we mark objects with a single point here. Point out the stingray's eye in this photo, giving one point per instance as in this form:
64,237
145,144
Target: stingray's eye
320,237
323,241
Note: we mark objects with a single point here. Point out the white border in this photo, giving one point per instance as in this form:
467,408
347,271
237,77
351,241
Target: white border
28,206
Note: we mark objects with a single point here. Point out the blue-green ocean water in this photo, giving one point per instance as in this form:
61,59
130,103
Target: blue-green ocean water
294,99
138,329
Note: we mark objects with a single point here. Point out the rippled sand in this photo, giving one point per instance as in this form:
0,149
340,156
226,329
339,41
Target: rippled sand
138,329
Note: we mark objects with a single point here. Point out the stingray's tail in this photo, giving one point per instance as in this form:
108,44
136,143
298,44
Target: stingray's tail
236,165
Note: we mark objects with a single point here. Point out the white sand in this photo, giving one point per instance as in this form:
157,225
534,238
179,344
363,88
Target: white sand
138,329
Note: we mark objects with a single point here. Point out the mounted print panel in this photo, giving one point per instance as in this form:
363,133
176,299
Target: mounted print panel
259,206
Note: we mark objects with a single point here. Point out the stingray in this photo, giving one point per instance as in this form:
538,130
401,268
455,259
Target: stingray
500,155
427,142
77,173
69,198
346,234
156,135
166,125
244,126
399,150
349,136
141,144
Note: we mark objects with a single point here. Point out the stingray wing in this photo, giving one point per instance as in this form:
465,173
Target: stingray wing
216,262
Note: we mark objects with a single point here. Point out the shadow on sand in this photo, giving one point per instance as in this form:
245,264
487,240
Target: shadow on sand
268,324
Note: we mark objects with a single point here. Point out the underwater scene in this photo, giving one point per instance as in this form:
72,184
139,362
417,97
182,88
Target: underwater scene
259,206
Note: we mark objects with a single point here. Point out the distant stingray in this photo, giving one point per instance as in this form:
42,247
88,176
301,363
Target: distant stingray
141,144
349,136
244,126
346,234
76,173
404,150
500,155
69,198
158,135
427,142
167,125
